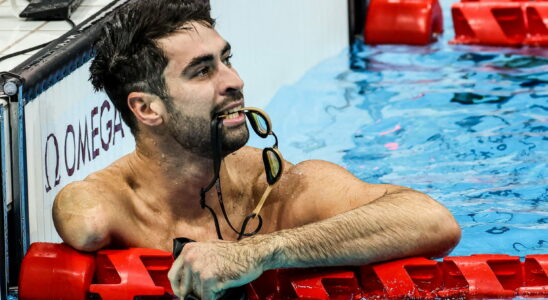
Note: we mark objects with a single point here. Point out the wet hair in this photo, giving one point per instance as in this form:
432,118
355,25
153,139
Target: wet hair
127,55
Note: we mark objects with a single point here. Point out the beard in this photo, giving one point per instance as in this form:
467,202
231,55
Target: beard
193,133
233,138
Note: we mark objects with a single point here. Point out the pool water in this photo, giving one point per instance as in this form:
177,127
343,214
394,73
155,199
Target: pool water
467,125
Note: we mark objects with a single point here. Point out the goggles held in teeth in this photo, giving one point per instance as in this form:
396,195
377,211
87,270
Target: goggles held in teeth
272,160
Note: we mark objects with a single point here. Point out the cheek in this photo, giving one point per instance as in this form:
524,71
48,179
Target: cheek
199,98
192,97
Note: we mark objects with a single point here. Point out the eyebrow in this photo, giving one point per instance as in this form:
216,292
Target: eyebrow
198,60
226,48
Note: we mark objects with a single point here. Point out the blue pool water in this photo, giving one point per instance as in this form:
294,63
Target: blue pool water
466,125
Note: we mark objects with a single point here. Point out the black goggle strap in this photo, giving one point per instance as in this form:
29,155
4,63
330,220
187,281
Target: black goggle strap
213,214
275,140
216,141
244,225
216,126
242,232
179,244
220,197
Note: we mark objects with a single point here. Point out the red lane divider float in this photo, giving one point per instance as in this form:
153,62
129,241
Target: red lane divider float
412,22
56,271
125,274
501,22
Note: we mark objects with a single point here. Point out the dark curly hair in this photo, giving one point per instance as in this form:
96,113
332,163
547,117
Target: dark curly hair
128,57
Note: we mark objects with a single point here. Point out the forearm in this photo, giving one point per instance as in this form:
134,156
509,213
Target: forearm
402,224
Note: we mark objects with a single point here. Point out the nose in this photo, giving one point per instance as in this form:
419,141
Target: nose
230,82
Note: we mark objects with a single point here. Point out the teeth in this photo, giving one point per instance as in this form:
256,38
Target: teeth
235,109
232,115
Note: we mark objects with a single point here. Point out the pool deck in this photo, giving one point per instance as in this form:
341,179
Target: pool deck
17,34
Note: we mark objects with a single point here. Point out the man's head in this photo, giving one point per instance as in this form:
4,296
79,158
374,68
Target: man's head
168,71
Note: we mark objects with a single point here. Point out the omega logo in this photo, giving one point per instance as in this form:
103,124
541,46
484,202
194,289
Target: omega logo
81,143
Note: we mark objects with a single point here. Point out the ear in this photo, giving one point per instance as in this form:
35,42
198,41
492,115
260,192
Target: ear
147,108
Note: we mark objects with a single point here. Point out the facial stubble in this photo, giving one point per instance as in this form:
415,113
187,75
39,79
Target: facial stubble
194,133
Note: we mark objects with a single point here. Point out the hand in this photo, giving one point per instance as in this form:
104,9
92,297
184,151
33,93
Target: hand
206,269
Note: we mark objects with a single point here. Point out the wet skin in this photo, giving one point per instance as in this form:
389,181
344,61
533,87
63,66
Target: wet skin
318,214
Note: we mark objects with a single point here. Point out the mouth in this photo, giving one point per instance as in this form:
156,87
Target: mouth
233,116
231,113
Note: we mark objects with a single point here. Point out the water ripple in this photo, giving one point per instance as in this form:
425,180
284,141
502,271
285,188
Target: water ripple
467,125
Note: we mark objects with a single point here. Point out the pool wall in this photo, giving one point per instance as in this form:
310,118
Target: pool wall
276,41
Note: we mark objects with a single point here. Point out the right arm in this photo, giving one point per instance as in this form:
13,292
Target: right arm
80,216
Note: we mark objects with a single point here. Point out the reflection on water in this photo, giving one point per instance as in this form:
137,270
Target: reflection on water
468,126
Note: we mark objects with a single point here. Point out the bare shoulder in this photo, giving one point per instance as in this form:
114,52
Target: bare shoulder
319,189
82,210
312,174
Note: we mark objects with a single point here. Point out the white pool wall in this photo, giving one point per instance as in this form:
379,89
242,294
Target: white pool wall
276,41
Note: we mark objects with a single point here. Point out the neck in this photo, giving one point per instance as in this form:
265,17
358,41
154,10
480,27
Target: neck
174,174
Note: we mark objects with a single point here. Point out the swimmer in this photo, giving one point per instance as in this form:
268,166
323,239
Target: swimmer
169,73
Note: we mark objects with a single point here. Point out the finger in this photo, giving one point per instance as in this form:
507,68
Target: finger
185,285
174,276
207,292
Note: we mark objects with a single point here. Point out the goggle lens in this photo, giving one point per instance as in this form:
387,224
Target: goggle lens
259,123
262,125
273,165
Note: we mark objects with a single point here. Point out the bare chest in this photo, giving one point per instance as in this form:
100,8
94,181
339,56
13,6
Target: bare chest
159,234
156,232
147,227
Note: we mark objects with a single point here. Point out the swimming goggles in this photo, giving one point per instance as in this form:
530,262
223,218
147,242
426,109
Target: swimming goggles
272,160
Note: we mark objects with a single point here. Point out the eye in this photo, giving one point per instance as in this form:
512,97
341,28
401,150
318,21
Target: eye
203,72
226,60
